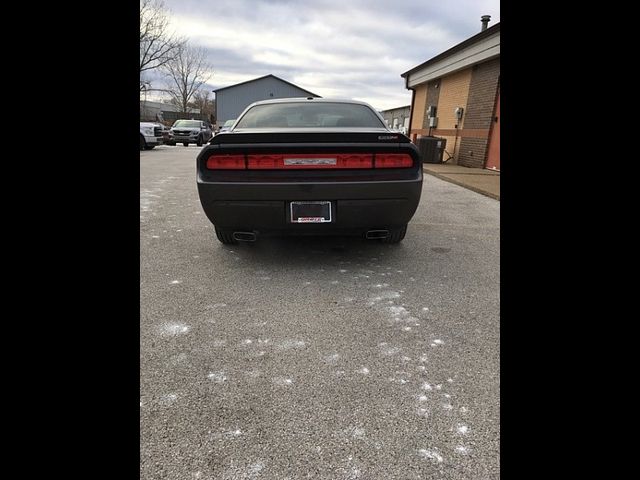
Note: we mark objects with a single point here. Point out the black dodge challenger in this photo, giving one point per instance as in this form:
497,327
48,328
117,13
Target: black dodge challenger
309,166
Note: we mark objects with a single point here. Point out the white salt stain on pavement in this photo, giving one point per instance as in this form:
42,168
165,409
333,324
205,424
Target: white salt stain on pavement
462,429
430,455
217,377
174,329
168,399
291,345
387,350
333,358
364,371
175,282
178,359
282,381
426,386
437,341
461,449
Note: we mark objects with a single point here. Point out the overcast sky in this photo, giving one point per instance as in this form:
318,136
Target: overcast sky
333,48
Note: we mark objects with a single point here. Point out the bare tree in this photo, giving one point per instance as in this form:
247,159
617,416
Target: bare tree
202,101
186,73
157,44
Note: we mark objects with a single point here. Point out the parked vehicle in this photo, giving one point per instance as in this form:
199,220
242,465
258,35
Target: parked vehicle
150,135
165,133
190,131
309,166
227,126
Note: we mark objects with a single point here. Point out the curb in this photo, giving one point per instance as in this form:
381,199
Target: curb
462,184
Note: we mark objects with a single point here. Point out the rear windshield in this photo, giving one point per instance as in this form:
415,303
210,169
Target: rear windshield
187,123
310,115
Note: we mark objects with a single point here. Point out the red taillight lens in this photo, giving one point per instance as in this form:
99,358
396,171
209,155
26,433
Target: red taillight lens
393,160
226,162
308,161
264,162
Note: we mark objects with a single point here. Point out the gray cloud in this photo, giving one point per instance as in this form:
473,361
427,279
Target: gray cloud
351,49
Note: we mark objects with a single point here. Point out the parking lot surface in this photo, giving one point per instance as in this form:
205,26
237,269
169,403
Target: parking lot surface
329,358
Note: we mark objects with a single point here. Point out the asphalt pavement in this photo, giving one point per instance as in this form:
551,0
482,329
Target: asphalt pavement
329,358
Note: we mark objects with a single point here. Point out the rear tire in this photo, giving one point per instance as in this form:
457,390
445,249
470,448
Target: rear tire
199,142
225,236
186,144
150,147
143,143
396,235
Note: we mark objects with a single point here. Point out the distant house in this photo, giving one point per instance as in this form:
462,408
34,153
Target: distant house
456,95
398,118
232,100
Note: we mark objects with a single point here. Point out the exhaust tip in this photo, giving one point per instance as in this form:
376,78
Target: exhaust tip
244,236
373,234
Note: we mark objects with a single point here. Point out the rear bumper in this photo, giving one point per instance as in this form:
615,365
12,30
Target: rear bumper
355,205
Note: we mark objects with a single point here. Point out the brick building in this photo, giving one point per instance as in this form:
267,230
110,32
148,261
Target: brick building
456,95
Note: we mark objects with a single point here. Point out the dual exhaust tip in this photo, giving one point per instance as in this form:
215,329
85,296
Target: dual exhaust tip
244,236
376,234
251,236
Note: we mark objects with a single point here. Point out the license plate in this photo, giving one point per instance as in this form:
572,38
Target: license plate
310,212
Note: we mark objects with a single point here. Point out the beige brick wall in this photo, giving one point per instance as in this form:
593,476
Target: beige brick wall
420,100
454,92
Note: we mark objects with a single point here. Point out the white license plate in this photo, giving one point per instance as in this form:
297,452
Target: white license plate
310,212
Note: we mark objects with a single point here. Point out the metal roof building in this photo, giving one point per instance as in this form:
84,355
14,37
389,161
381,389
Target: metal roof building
232,100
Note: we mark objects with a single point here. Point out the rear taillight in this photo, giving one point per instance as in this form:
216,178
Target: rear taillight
226,162
309,161
393,160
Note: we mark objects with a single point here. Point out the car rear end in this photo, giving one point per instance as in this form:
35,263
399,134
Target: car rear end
308,182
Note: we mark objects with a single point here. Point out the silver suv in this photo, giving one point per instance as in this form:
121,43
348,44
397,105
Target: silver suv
190,131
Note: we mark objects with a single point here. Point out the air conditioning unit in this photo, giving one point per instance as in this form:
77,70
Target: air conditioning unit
431,149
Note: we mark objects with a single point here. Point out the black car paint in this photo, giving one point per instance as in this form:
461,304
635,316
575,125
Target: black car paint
256,200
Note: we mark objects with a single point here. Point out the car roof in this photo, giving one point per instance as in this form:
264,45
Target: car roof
311,100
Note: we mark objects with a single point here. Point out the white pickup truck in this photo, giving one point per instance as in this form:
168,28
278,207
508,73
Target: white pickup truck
150,135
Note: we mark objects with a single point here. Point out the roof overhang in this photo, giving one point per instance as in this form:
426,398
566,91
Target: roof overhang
477,52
